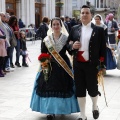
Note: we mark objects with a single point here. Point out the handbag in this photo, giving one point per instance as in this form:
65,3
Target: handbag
110,60
13,42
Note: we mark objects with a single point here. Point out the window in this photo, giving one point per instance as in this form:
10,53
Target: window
9,6
37,1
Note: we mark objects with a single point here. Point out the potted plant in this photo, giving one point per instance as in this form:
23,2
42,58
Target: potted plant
59,4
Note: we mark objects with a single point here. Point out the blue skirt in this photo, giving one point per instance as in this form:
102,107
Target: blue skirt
53,105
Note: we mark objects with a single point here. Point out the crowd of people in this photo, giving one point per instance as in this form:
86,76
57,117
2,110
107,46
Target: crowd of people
11,38
61,86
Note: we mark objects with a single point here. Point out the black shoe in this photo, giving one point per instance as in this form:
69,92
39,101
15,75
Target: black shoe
50,117
12,66
81,119
95,114
25,65
18,64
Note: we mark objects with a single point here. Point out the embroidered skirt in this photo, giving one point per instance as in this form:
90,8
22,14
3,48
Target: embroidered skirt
53,105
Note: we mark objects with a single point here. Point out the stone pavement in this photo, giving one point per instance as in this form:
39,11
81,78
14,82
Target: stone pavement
16,89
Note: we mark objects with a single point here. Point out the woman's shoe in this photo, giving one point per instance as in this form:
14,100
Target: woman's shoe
12,66
50,117
3,72
2,75
18,64
25,65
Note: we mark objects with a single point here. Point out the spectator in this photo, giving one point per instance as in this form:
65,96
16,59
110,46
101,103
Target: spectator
23,48
112,28
67,21
21,24
13,23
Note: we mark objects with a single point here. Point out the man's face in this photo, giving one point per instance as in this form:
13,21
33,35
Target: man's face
111,18
3,17
85,15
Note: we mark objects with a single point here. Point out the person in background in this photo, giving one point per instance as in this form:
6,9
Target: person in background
23,48
88,44
98,21
21,24
41,33
53,92
73,21
112,28
5,28
13,43
3,51
63,20
68,22
13,23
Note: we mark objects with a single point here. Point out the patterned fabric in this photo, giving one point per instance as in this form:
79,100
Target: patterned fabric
58,45
3,51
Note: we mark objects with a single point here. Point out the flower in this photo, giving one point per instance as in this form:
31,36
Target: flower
44,59
118,31
101,66
43,56
101,59
118,36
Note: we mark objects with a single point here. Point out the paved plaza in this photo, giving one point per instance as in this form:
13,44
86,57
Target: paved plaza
16,89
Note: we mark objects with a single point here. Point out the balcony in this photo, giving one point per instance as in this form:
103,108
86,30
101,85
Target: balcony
102,9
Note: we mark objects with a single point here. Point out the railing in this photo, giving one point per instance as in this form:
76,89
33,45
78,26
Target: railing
30,33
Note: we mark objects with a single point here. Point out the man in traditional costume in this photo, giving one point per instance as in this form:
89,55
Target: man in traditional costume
88,44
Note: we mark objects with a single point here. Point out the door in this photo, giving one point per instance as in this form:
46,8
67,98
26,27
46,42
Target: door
38,14
11,7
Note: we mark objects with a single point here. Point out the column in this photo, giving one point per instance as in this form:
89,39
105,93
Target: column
50,9
18,11
99,3
32,11
96,3
2,6
27,11
67,8
22,7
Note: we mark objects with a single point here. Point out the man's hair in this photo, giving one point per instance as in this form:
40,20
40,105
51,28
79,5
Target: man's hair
85,6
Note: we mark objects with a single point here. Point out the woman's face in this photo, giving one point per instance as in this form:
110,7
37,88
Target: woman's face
97,20
56,26
23,35
14,22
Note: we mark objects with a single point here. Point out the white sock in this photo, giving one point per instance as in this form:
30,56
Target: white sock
94,101
82,104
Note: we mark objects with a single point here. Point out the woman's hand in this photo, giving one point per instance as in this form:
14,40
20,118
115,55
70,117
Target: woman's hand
16,32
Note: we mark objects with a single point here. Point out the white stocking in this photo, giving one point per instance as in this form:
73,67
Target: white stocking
82,104
94,101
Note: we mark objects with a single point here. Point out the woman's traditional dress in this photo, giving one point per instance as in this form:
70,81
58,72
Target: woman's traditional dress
56,95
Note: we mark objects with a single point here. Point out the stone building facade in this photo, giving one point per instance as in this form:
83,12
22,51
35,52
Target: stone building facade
32,11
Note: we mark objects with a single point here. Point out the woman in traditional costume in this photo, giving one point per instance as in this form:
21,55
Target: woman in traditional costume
53,92
110,59
98,21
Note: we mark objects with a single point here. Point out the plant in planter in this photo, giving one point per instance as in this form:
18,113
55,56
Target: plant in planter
59,4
